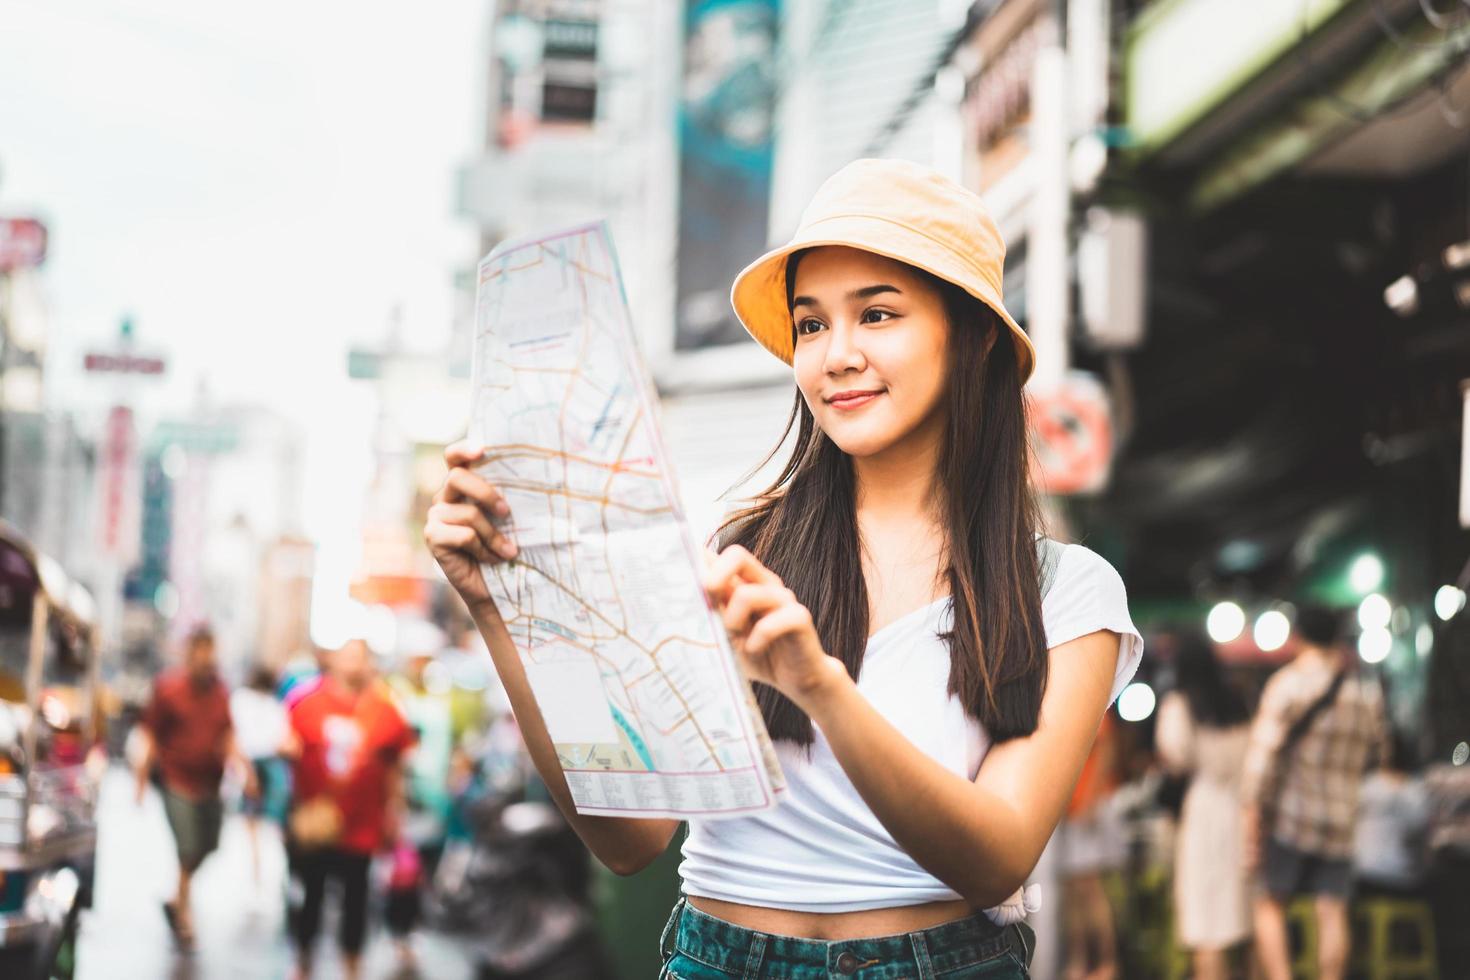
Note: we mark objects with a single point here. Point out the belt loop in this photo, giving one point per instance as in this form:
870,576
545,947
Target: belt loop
668,937
757,954
1025,937
921,956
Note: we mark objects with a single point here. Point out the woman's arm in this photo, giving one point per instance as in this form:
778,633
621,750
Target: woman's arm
981,838
463,538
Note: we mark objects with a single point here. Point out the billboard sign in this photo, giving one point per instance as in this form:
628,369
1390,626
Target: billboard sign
122,362
726,114
569,70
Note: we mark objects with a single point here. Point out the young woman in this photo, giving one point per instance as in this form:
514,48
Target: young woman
931,710
1202,732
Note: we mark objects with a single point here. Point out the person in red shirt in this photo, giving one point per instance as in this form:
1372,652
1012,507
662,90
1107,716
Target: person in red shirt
187,734
348,744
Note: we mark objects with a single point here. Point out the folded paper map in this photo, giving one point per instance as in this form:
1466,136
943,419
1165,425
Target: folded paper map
630,667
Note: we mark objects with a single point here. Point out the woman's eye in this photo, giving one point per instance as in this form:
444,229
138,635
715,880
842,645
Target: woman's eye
876,316
809,325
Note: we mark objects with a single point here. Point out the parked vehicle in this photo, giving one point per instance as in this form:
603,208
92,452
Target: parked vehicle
49,727
518,892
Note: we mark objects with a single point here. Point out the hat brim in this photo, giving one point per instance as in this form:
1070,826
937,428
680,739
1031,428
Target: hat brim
759,291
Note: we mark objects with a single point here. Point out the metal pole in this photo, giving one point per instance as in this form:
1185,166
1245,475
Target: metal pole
1047,285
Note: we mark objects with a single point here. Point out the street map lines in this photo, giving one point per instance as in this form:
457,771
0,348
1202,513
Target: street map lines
631,669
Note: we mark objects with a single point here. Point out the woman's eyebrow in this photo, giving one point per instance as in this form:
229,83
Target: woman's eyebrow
863,293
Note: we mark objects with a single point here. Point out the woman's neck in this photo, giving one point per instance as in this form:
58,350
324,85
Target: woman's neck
899,518
900,484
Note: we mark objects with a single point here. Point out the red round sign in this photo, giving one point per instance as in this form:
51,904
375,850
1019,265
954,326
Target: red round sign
1072,434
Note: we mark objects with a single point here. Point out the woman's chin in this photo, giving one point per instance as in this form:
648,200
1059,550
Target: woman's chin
860,444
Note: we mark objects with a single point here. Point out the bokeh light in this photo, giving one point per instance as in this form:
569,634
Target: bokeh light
1136,702
1374,645
1272,630
1225,622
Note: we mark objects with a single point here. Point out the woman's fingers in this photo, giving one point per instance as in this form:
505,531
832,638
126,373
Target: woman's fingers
464,485
748,601
733,566
786,620
463,453
457,537
472,516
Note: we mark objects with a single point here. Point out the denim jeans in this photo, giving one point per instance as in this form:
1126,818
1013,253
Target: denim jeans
696,946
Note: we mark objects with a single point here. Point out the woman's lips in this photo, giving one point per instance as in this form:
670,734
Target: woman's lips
848,401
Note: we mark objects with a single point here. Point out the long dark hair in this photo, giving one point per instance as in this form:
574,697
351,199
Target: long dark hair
1213,702
804,528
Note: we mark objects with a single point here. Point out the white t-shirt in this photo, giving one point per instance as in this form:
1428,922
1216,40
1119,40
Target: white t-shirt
821,849
260,723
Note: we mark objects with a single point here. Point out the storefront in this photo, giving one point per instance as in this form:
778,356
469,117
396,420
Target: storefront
1297,403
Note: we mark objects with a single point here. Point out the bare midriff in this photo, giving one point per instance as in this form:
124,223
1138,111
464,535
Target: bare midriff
834,926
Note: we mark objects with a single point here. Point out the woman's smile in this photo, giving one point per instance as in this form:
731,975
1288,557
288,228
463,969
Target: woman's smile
849,401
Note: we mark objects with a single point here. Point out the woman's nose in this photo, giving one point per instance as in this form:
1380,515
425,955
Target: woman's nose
843,352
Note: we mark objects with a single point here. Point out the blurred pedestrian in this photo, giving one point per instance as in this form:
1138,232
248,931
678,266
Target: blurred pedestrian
186,730
1447,789
302,676
260,731
1318,729
931,669
348,742
402,905
422,691
1202,734
1393,814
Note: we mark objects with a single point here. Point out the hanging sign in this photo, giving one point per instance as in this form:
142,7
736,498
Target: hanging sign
1072,435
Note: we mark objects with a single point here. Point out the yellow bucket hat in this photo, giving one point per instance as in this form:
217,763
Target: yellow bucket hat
897,209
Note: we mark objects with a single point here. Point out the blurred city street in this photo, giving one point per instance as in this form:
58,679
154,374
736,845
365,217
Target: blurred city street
384,390
240,917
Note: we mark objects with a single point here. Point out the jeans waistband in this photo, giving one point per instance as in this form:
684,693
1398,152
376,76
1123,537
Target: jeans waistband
926,953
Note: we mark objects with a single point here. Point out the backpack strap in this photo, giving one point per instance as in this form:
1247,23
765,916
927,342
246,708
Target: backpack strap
1048,559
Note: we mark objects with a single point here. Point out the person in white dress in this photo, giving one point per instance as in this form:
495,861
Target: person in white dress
260,728
1203,729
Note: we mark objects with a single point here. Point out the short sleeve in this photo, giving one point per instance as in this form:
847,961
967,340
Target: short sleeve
1086,596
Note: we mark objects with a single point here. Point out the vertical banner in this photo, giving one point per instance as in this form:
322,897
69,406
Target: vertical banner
186,553
119,486
726,148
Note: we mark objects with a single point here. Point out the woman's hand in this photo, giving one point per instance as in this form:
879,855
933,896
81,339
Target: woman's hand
459,531
771,631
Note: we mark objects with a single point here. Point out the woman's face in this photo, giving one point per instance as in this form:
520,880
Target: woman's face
871,339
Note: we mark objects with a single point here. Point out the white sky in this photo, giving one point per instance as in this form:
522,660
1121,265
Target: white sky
258,185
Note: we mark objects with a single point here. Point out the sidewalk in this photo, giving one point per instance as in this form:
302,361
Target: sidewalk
239,920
